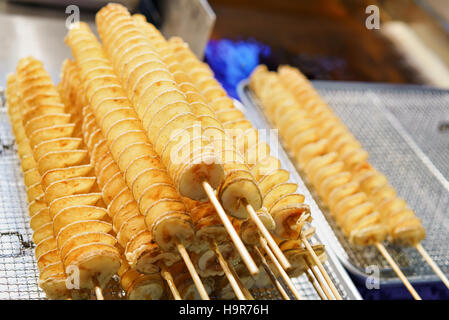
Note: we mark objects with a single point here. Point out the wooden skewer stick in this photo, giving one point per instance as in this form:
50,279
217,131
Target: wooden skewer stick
99,293
272,276
244,289
97,289
224,265
195,277
171,283
397,270
432,264
246,257
319,279
313,282
279,268
320,266
273,245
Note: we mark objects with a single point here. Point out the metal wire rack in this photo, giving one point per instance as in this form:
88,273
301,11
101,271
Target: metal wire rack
403,129
18,269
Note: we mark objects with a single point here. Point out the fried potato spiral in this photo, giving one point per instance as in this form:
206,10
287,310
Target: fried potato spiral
166,116
145,175
324,168
52,276
66,187
401,222
333,160
239,186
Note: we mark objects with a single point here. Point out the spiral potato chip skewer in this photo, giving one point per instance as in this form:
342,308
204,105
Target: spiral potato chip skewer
52,277
175,131
137,286
332,159
160,105
403,226
77,216
326,171
239,186
164,211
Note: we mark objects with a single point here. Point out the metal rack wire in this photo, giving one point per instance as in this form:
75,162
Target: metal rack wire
401,128
18,270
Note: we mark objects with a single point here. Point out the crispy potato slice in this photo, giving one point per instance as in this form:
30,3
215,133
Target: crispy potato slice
142,253
277,191
229,114
130,227
86,238
51,271
107,171
100,148
23,148
31,177
163,115
58,174
55,287
286,199
289,219
79,185
94,137
165,133
121,198
249,231
124,213
273,178
73,200
34,191
135,151
191,175
239,185
94,261
43,109
77,227
115,114
43,232
122,125
164,204
36,205
45,121
28,163
147,287
59,144
48,258
171,228
112,186
155,175
77,213
62,159
265,166
155,192
44,246
368,235
125,139
53,132
40,218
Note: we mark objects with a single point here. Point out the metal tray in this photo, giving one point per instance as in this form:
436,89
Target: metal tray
404,129
18,269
